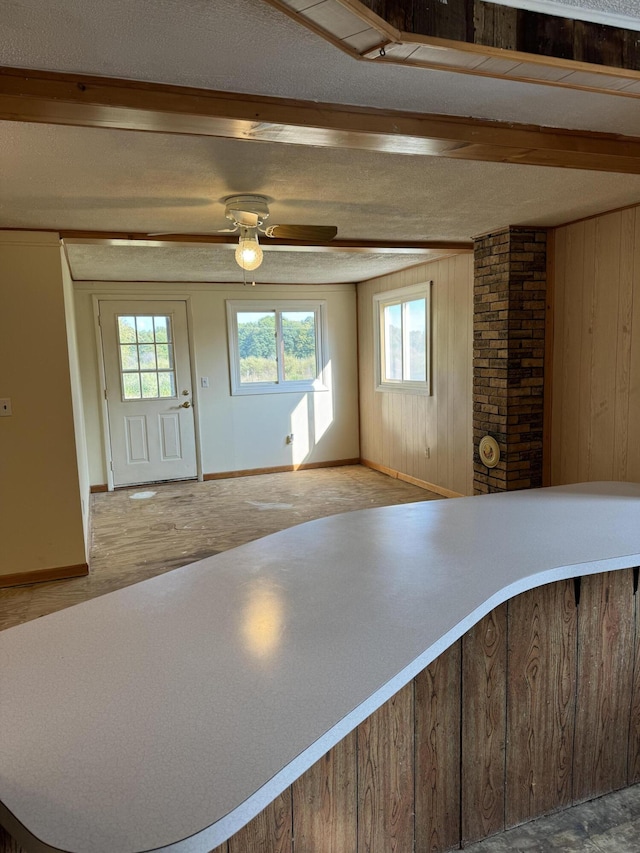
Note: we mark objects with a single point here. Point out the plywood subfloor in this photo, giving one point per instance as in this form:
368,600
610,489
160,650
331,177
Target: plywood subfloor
144,531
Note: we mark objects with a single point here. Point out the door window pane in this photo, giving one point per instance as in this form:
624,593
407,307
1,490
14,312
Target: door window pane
257,346
145,329
149,385
131,386
145,346
166,384
129,354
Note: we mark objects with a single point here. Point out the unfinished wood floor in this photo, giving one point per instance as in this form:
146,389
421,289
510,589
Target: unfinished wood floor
143,531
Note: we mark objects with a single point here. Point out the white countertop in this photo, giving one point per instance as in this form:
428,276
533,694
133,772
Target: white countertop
166,715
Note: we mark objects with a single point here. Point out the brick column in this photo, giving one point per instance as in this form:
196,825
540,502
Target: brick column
508,356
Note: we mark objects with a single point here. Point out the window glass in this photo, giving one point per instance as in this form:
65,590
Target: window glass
416,335
299,345
257,346
393,342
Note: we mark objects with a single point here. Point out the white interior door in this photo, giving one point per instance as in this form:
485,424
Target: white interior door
149,401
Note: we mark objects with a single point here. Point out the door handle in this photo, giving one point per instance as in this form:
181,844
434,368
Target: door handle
185,405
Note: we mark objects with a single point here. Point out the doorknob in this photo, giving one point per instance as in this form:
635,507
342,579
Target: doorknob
185,405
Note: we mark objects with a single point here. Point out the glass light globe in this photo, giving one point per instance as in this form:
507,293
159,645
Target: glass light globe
249,253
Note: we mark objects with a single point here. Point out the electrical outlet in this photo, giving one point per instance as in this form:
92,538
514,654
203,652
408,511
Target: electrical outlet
289,438
427,453
5,407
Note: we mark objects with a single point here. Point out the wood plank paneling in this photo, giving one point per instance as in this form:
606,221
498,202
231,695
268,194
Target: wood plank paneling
397,428
633,762
603,360
484,662
451,20
9,845
633,449
385,777
606,636
596,370
268,832
541,690
324,802
623,349
437,732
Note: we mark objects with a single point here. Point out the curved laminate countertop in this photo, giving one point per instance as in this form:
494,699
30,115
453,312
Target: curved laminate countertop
166,715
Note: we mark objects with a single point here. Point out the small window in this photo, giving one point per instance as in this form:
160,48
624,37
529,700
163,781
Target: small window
275,347
145,344
403,341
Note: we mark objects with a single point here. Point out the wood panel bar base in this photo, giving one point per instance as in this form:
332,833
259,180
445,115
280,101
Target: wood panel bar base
510,274
536,708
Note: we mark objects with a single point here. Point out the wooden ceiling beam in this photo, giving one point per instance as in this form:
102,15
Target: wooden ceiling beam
228,241
85,101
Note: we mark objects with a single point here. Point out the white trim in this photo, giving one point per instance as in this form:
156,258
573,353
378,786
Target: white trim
578,13
279,306
394,297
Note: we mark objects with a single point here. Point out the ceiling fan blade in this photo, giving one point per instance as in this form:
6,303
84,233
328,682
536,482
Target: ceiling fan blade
180,233
310,233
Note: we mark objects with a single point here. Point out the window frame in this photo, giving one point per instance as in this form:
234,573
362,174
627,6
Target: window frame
400,296
280,307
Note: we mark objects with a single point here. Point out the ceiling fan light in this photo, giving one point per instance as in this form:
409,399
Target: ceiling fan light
249,253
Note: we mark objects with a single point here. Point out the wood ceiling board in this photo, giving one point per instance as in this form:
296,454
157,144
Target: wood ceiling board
335,18
364,41
378,247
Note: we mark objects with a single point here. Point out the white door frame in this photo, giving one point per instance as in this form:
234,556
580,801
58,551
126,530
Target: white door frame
104,411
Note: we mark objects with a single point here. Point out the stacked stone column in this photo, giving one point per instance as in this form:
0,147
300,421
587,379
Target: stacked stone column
508,356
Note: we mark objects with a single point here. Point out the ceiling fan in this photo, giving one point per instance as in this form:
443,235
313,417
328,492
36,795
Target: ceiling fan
248,213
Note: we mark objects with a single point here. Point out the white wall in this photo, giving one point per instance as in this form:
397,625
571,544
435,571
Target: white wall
76,395
242,432
40,516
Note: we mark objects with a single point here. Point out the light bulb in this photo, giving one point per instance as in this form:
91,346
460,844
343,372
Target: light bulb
249,253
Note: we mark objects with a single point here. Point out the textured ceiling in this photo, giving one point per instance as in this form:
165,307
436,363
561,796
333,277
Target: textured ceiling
63,178
248,46
183,263
617,13
92,179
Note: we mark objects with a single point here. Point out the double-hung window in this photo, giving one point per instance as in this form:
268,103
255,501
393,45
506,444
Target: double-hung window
276,346
403,342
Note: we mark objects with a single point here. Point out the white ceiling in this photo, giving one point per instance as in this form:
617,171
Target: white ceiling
80,178
615,13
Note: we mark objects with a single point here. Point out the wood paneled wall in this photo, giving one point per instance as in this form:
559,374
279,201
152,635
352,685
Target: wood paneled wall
396,428
595,420
535,708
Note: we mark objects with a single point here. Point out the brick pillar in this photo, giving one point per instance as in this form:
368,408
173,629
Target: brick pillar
508,356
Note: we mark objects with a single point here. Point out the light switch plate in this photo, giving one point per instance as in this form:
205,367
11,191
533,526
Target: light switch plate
5,407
